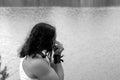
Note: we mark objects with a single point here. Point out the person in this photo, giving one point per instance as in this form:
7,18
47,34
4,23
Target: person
41,55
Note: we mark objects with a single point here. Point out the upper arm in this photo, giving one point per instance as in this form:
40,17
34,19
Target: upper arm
43,71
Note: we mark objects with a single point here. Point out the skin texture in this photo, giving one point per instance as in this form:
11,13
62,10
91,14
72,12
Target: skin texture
39,69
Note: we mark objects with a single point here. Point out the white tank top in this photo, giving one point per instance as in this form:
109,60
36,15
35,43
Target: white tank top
23,75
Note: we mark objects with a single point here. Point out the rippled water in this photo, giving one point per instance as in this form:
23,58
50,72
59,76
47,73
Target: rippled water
91,38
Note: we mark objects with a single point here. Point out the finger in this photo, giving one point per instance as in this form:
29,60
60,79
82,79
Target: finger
58,43
58,51
62,49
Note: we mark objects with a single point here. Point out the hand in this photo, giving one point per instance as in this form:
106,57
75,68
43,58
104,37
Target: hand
58,48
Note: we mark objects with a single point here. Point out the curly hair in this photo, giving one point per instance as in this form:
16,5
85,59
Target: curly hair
41,38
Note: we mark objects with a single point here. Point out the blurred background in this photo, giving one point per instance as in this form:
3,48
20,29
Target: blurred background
91,38
90,34
61,3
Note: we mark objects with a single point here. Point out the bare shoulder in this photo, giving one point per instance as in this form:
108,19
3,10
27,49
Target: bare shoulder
42,70
39,65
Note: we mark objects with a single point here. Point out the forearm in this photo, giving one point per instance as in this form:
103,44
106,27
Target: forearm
58,69
56,63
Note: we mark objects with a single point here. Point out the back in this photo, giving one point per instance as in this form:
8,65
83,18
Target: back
40,69
23,75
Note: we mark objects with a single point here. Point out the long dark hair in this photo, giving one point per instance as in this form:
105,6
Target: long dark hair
41,38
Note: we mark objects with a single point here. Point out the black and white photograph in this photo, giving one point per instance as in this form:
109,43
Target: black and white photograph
59,39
